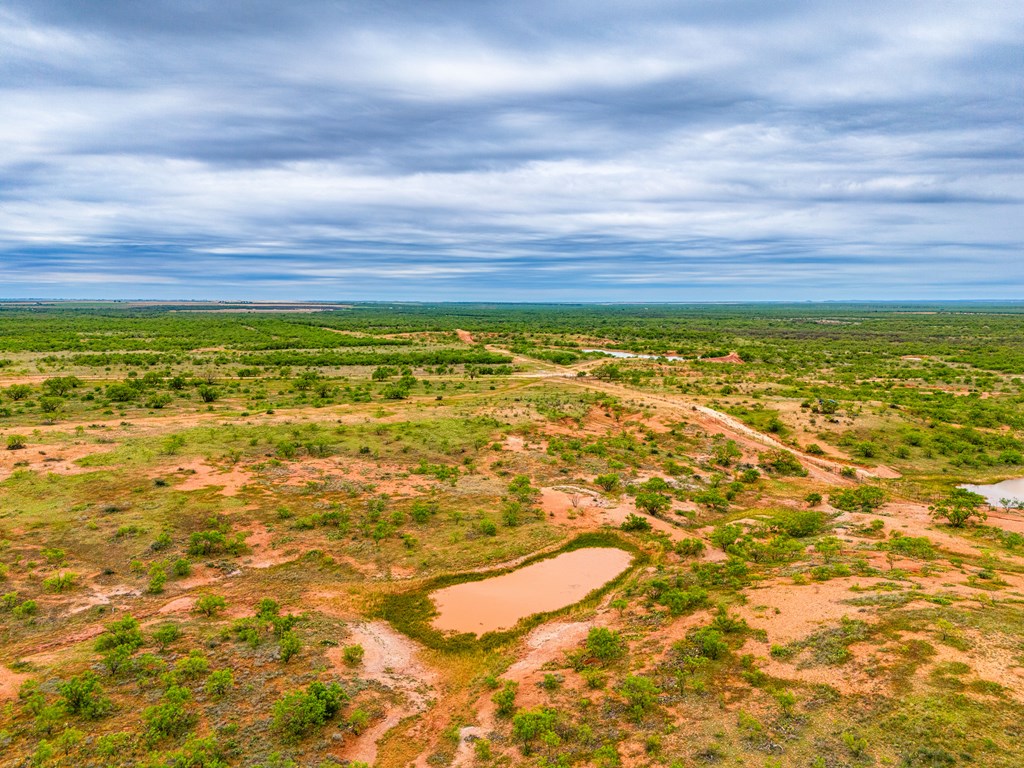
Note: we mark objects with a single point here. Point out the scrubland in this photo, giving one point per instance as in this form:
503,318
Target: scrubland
220,530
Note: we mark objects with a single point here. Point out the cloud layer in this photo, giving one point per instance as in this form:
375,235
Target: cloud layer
659,151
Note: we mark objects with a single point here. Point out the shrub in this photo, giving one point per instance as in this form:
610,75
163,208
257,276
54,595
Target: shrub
208,605
798,523
16,442
607,483
505,699
123,632
652,503
641,695
192,666
83,696
705,642
298,713
289,645
208,394
680,601
488,528
353,655
864,499
530,725
157,579
170,717
605,645
166,634
219,682
781,462
690,547
634,522
26,609
61,582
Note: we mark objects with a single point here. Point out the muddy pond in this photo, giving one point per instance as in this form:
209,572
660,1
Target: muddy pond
995,492
500,601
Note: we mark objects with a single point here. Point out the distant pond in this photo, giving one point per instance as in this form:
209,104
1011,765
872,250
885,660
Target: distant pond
995,492
621,354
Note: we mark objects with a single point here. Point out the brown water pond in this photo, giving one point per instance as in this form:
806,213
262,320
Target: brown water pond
500,601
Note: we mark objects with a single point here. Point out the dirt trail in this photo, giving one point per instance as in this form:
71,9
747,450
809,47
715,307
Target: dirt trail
465,336
712,420
392,660
545,643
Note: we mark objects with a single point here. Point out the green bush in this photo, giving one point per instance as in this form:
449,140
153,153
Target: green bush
605,645
780,462
208,605
192,666
353,654
83,696
123,632
298,713
641,695
959,506
635,523
505,699
220,682
798,523
864,499
60,582
166,634
171,717
289,645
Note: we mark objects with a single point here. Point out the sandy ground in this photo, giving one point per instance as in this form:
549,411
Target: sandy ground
10,682
465,336
199,474
56,458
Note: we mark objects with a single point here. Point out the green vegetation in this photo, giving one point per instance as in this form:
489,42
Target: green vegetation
220,531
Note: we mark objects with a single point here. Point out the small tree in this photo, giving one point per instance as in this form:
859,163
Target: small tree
959,507
652,503
290,644
208,605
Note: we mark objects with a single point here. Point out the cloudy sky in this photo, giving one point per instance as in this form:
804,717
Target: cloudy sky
466,149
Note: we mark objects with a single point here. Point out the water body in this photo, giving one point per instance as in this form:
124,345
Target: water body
500,601
1007,489
620,354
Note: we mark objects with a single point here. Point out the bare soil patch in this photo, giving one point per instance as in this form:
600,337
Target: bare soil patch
393,661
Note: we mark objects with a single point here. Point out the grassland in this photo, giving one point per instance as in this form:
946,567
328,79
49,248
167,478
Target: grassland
220,526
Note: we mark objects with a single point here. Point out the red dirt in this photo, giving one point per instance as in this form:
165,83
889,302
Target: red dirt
465,336
203,475
10,682
393,661
732,357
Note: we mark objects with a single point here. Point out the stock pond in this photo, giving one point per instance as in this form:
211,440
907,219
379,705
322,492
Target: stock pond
995,492
500,601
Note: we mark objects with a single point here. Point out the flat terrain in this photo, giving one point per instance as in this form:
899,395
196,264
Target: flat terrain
221,526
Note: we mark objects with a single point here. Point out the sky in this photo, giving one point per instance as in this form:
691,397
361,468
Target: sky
686,150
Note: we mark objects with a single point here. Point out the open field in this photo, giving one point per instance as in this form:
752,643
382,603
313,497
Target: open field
220,526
